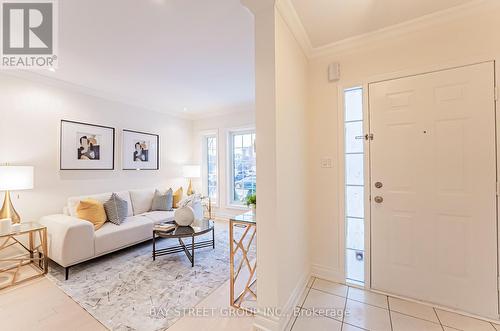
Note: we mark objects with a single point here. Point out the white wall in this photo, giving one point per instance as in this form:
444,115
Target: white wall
30,114
470,37
220,125
291,164
281,123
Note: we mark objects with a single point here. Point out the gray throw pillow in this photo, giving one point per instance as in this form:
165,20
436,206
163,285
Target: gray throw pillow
116,209
163,202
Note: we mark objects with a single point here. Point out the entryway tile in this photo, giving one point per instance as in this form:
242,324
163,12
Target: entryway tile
347,327
303,296
319,323
367,317
325,304
330,287
402,322
310,282
462,322
368,297
413,309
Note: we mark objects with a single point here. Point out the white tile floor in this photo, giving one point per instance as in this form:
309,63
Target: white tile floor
335,307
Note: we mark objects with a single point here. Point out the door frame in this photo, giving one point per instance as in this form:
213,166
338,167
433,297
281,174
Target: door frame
364,84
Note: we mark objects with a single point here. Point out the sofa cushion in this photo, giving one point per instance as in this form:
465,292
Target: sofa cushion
93,211
160,216
102,197
163,201
142,200
111,237
177,197
116,209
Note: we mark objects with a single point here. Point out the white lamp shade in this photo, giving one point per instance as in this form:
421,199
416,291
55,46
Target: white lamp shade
14,178
191,171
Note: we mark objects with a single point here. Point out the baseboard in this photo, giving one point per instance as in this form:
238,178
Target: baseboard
328,273
266,322
294,301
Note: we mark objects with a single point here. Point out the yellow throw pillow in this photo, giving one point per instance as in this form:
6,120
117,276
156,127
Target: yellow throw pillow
93,211
177,197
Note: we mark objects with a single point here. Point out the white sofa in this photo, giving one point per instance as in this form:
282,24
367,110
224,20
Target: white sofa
72,240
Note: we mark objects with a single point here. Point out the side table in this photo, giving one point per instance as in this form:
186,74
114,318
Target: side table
31,252
237,246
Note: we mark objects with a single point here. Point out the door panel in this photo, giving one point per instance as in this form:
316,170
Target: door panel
434,235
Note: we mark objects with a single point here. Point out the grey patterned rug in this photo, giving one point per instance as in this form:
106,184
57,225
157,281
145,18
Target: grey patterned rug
121,289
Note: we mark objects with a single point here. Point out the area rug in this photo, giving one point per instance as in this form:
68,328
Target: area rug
122,290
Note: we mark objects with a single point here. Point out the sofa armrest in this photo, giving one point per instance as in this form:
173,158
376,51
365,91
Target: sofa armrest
70,239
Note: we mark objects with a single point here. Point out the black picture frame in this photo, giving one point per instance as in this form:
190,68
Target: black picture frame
155,136
61,144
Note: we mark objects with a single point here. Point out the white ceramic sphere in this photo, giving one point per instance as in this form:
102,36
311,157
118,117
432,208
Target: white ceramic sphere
184,216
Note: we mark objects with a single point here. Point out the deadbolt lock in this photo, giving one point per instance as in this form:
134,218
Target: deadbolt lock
379,199
378,185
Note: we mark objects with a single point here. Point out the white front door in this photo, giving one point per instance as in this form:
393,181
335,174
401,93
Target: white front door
434,235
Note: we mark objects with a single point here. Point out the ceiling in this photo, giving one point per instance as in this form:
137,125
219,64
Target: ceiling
330,21
195,57
176,56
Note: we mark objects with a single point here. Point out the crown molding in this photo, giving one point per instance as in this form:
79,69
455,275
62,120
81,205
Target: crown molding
403,28
289,14
292,19
255,6
54,82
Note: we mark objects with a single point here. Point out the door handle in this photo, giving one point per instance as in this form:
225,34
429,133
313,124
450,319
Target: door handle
379,199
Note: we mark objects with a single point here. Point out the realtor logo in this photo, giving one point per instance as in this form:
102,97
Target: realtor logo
28,34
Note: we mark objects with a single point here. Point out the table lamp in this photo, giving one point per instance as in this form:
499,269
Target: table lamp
14,178
191,171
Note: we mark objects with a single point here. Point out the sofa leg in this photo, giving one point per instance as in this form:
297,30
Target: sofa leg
67,272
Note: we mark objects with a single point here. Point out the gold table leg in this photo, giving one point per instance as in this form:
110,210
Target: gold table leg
235,272
34,255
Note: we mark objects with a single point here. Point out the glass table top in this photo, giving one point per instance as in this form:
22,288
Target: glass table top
247,217
197,228
23,227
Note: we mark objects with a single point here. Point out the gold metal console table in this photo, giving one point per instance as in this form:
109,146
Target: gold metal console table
25,246
243,274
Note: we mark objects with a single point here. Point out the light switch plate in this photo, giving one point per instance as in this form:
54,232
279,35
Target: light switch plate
326,162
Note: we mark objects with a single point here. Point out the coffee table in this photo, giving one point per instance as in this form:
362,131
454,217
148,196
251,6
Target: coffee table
196,229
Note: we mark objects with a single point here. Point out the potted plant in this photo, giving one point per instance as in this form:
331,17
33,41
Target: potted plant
252,202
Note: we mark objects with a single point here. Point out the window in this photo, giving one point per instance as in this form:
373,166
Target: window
354,184
212,171
243,167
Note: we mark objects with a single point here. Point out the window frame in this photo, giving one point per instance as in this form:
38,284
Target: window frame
204,164
230,161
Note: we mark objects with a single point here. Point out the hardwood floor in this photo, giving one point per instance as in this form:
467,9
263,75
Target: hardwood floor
40,305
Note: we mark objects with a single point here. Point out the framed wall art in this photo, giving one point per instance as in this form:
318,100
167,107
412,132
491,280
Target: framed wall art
85,146
140,150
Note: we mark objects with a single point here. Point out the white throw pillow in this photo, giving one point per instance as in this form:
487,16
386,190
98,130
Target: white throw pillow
142,200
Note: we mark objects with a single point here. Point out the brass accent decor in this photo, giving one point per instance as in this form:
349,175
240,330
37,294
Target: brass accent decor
247,221
33,254
190,188
14,178
8,210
